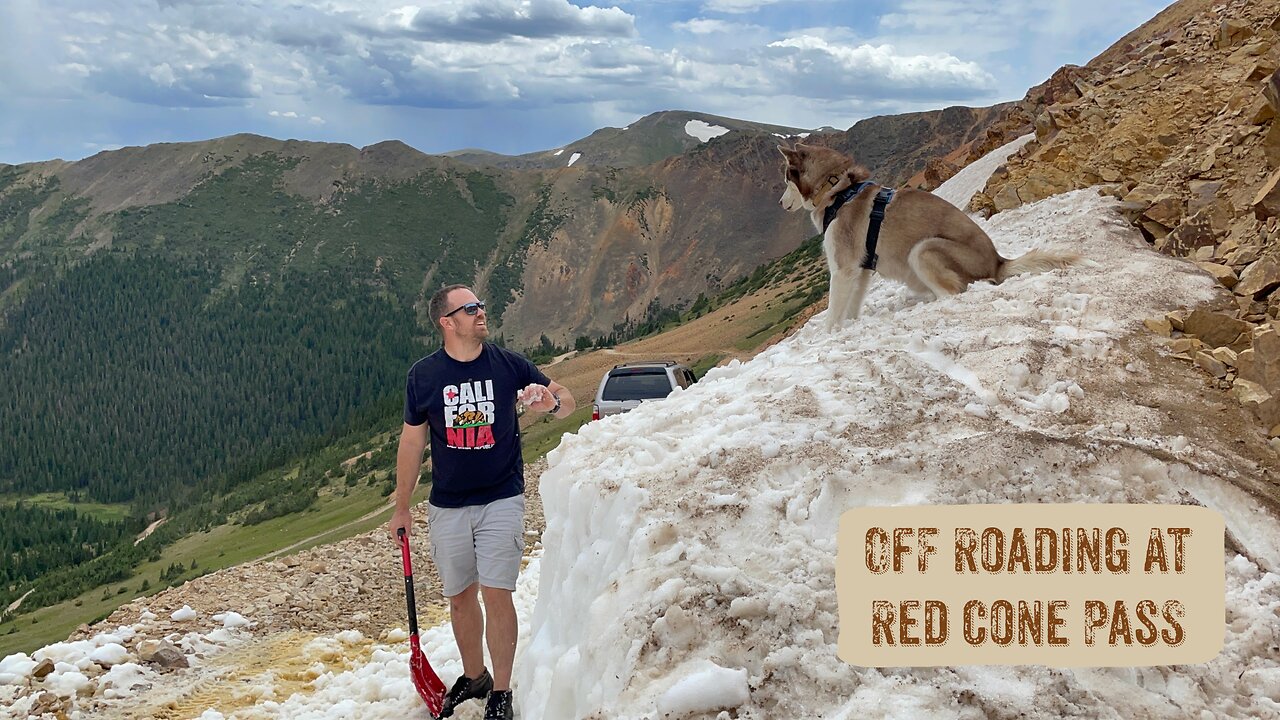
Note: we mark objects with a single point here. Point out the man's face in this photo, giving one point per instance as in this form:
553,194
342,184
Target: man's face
467,327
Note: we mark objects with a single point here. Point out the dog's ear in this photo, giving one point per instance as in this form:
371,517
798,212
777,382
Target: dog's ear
787,152
858,174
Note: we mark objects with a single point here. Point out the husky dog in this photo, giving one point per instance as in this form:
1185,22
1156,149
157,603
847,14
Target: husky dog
925,242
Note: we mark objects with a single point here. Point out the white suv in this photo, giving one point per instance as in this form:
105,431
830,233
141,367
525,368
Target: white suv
627,385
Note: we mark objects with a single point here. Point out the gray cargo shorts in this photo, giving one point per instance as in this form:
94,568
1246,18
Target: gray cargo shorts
477,543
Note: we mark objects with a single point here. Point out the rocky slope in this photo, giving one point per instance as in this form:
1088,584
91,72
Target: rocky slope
1178,119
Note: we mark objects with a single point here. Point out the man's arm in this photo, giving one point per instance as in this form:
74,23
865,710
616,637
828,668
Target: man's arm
413,441
543,398
567,403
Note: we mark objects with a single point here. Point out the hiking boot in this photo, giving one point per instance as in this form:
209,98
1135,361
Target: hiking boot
498,706
466,689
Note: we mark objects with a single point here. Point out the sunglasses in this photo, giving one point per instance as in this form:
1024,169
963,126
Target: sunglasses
469,308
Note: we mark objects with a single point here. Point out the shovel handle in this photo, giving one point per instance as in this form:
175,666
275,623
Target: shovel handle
408,583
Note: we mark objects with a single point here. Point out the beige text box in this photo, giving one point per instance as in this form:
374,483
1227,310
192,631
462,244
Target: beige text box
1059,585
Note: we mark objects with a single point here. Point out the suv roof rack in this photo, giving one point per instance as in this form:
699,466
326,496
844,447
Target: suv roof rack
641,363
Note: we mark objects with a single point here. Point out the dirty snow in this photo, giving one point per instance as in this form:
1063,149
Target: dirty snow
703,529
704,131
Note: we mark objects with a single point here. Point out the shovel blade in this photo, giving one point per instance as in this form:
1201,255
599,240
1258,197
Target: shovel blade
429,685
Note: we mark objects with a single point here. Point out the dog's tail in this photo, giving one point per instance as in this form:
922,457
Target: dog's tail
1036,261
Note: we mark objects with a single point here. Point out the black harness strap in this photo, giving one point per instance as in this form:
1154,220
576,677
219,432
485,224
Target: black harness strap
883,197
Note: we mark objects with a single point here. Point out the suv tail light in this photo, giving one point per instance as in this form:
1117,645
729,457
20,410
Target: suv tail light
595,411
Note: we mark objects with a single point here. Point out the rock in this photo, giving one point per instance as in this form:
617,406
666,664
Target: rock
1271,90
48,703
1142,193
1154,231
1044,126
164,655
1203,194
1210,364
1043,182
1006,199
1263,69
1261,363
1159,326
1261,111
1166,210
1177,319
1223,274
1244,256
938,171
1249,393
1271,144
1193,232
1266,203
1130,81
1259,278
1232,32
1253,49
1214,328
41,670
292,561
1225,355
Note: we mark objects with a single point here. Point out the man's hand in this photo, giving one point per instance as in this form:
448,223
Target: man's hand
400,519
537,397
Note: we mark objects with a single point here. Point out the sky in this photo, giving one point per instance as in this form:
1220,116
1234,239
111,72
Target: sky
690,545
511,76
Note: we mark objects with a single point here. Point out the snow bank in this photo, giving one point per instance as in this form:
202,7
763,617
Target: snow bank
702,529
704,131
962,186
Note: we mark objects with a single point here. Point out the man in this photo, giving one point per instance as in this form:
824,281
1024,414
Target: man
463,397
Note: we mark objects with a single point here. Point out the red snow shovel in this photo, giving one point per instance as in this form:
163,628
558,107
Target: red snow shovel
425,680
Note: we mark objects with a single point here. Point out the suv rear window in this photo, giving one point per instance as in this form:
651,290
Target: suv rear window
645,384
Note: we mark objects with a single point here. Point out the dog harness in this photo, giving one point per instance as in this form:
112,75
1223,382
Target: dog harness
883,197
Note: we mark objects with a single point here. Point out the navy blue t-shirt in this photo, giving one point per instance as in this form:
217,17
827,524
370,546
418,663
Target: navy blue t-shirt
470,408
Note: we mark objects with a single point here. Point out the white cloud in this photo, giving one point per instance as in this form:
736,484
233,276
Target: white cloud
738,6
488,21
815,64
325,61
709,26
